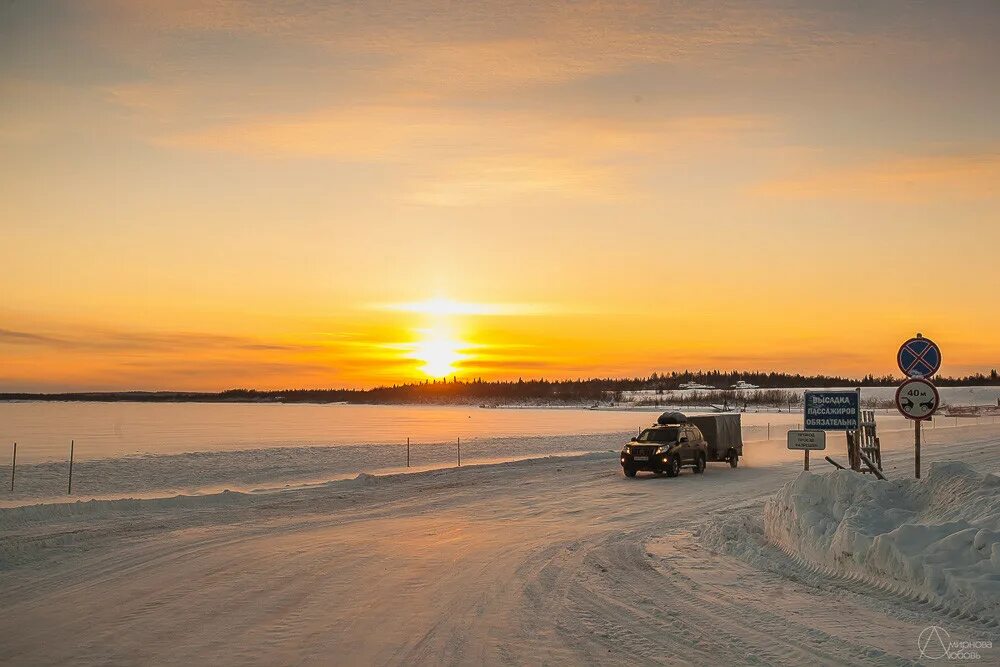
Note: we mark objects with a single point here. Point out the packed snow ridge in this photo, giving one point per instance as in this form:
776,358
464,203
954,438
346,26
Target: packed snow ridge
937,537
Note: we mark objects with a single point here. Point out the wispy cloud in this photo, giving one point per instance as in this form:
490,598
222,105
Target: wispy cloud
461,157
106,340
448,307
969,175
27,338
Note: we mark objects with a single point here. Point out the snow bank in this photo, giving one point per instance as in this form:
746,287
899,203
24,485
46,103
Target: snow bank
938,537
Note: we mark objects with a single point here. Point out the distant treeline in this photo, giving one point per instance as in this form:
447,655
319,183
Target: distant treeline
501,392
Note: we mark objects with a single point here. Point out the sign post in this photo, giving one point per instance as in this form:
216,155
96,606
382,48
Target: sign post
806,441
919,358
917,399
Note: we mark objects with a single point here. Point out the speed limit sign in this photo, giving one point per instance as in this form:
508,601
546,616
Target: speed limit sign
917,399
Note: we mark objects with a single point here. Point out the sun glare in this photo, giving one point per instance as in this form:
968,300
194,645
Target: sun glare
439,352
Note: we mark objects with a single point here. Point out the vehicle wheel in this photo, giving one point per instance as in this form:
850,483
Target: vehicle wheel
629,472
699,466
675,467
734,459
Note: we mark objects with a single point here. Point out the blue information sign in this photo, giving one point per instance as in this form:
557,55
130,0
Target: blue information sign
832,410
919,358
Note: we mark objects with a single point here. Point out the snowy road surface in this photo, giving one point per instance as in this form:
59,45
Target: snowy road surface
550,561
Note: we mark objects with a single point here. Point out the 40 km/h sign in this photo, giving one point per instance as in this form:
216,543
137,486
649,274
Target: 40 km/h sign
919,357
917,399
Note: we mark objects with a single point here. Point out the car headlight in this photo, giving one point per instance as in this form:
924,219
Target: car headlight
626,449
663,450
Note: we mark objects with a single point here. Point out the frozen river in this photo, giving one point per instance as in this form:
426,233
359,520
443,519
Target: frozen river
154,449
105,430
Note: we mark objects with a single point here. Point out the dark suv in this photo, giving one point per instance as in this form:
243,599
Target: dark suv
665,449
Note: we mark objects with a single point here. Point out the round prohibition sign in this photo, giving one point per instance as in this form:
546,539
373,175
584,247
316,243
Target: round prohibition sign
917,399
919,358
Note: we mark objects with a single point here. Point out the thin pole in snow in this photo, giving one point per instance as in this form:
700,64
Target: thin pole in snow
805,461
407,452
13,465
916,447
459,452
69,488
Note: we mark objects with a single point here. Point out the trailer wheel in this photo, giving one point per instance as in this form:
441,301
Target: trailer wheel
629,472
734,458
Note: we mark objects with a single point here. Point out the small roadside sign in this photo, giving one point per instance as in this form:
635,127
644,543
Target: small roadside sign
807,440
917,399
832,410
919,357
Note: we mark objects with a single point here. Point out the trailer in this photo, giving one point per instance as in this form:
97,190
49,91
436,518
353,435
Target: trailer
724,435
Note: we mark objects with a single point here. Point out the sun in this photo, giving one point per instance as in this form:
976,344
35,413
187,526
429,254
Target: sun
438,351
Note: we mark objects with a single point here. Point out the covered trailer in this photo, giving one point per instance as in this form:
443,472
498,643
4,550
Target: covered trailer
724,435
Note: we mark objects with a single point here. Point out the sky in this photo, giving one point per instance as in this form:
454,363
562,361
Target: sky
205,195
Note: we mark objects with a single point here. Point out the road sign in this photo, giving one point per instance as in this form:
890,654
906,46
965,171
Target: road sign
832,410
807,439
917,398
919,357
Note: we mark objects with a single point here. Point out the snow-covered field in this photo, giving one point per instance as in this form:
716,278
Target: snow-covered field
546,561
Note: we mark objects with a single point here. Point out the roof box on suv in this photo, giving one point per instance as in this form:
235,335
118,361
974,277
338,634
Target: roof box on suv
671,418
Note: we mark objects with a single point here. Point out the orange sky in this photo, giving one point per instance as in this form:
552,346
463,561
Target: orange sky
201,195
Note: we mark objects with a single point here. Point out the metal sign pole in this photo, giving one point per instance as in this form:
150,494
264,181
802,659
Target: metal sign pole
805,461
916,447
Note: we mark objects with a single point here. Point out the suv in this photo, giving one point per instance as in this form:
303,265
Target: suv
665,449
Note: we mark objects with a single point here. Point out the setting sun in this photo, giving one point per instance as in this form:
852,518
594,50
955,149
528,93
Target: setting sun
439,351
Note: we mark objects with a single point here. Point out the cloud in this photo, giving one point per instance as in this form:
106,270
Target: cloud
460,157
447,307
26,338
905,179
365,133
130,340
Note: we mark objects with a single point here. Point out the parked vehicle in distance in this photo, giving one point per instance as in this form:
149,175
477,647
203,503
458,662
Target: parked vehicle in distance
743,384
677,441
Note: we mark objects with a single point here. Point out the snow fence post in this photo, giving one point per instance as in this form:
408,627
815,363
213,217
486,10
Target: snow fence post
407,452
13,465
69,487
459,452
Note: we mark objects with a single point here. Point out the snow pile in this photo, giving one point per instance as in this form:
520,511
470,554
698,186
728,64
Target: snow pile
938,537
